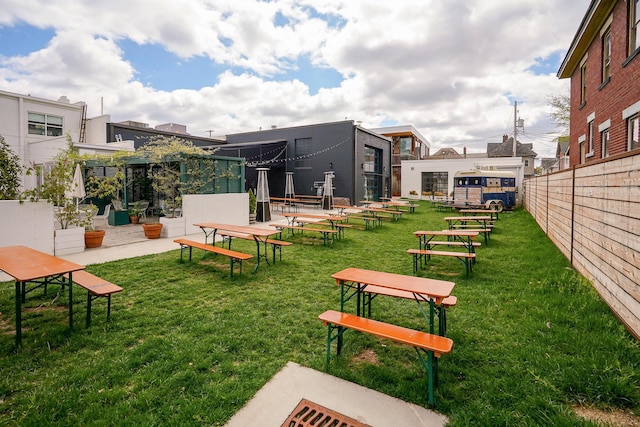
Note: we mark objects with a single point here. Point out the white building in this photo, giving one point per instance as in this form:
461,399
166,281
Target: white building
36,129
437,175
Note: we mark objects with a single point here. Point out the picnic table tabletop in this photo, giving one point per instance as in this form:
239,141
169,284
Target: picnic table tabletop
27,265
464,236
433,288
431,291
292,217
467,218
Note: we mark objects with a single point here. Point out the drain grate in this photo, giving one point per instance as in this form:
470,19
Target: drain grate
311,414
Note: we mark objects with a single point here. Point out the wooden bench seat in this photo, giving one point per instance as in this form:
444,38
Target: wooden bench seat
424,343
96,288
340,227
234,257
425,254
484,231
369,220
315,202
278,205
412,207
371,291
276,245
450,243
327,233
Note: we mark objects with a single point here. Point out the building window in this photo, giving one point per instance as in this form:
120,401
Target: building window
406,148
634,26
303,153
526,163
604,139
581,144
435,182
583,83
591,137
606,55
633,132
44,124
372,173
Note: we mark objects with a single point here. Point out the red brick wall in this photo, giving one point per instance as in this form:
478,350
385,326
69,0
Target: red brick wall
607,101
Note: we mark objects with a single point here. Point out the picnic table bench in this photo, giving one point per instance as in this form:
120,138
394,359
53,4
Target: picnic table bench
382,213
96,288
234,257
284,203
276,245
315,201
431,345
339,227
372,291
370,221
493,213
259,236
327,234
481,224
425,254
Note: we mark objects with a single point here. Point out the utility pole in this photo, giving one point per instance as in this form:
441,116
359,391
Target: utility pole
517,123
515,126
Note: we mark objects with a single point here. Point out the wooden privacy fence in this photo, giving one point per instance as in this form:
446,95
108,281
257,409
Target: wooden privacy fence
592,214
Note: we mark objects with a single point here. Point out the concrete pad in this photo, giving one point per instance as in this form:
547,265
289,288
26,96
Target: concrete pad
274,402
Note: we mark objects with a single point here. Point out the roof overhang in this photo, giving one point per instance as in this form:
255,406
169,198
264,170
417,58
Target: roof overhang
597,14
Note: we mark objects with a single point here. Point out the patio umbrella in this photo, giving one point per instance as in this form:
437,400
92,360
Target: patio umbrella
289,191
327,191
263,210
77,186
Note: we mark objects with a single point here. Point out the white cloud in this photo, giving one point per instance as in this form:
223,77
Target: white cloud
450,68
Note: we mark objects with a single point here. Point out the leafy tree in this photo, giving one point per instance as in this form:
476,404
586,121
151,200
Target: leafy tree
57,182
177,167
10,172
560,109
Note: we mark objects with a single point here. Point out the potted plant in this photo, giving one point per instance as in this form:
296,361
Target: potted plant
253,203
152,230
134,213
92,237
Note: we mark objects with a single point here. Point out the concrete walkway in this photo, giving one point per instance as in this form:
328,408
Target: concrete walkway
279,397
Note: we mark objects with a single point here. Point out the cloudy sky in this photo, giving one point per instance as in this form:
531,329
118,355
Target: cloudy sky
450,68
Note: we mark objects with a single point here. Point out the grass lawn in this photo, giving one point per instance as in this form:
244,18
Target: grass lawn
187,345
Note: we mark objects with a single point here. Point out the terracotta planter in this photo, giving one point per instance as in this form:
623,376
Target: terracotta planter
152,231
93,239
134,219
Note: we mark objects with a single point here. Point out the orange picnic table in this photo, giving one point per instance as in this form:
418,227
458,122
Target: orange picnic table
259,235
30,266
354,281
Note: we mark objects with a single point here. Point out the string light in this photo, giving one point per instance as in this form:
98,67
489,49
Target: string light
275,160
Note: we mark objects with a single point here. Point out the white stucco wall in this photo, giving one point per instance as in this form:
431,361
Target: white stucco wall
27,224
411,171
226,208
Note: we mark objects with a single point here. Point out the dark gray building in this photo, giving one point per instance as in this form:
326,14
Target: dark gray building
359,158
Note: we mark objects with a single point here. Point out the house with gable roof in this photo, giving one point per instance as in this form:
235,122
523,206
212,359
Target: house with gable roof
505,149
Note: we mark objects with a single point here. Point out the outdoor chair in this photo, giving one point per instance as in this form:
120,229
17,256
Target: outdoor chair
144,205
104,216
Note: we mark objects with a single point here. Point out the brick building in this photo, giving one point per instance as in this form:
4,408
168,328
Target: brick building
603,63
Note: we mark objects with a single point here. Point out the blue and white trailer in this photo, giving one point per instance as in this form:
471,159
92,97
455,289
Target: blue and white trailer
488,188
